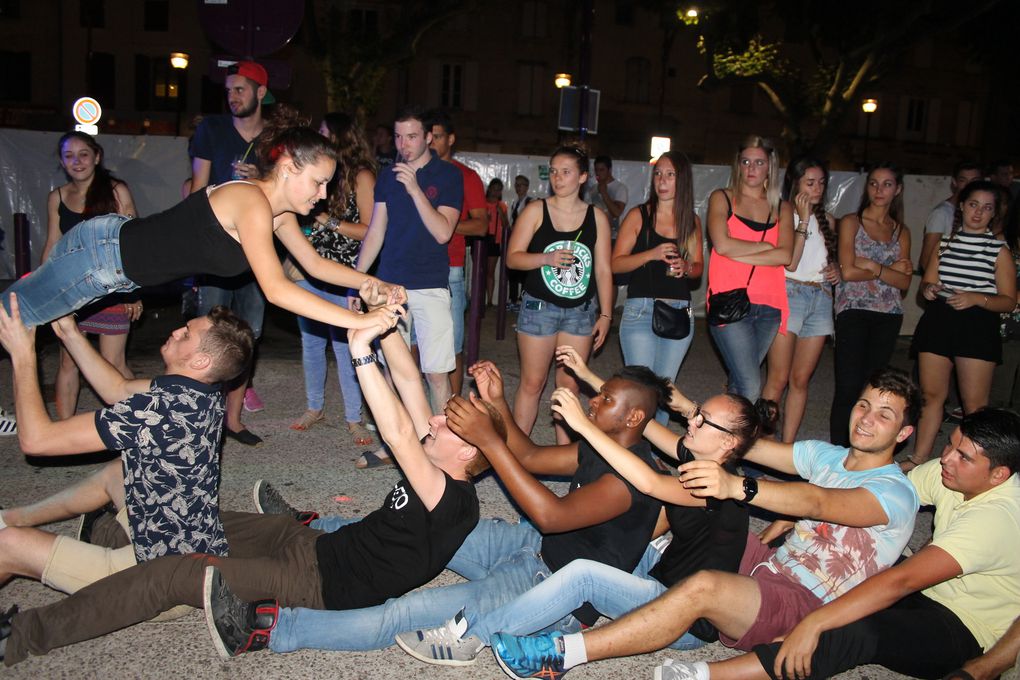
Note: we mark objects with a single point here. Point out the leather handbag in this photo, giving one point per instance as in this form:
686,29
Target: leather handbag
732,305
669,322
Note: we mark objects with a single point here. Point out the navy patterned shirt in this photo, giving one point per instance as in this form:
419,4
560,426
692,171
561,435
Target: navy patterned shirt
169,438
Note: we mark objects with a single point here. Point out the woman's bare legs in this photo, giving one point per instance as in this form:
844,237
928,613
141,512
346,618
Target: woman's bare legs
935,371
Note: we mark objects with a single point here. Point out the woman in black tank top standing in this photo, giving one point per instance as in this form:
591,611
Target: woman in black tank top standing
660,242
225,230
564,245
91,190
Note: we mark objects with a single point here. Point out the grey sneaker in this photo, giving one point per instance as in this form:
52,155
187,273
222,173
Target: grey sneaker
268,501
443,646
236,626
676,670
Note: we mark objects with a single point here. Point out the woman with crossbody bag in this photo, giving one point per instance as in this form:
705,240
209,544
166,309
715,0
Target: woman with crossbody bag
660,242
751,231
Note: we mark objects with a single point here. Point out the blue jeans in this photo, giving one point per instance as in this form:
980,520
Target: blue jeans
244,299
642,347
501,560
549,604
314,336
743,346
83,266
458,303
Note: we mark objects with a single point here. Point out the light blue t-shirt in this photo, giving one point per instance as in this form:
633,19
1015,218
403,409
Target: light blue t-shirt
830,559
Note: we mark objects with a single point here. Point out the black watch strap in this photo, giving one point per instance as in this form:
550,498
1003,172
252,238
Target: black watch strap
750,489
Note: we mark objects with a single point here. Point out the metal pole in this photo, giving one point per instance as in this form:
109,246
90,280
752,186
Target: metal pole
501,296
479,262
587,16
22,246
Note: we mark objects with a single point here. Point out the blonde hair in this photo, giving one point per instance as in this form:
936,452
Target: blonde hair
772,184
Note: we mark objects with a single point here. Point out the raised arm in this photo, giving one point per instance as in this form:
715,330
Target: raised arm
633,469
600,501
105,379
773,454
37,434
440,221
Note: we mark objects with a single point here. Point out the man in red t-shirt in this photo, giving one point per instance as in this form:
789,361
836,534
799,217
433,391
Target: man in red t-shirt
473,222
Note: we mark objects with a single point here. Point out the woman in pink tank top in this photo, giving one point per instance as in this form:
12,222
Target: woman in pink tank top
751,231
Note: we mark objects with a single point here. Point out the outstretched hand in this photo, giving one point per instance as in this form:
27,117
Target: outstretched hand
489,381
566,403
569,358
17,339
470,421
708,479
374,324
65,327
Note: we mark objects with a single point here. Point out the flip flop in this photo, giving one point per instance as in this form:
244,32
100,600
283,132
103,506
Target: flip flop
360,434
372,459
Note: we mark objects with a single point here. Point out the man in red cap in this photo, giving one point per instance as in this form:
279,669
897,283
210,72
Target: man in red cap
223,149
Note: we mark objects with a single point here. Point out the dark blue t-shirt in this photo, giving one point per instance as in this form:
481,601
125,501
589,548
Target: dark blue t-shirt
218,141
411,256
169,438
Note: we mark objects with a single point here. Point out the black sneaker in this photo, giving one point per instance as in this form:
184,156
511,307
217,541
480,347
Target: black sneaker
88,520
236,626
268,501
6,620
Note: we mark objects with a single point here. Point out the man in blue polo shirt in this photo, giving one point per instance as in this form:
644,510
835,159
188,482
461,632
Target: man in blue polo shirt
417,205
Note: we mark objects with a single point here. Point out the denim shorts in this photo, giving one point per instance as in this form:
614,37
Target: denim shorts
810,309
551,319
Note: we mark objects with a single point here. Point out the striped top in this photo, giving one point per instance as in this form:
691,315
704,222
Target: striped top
967,262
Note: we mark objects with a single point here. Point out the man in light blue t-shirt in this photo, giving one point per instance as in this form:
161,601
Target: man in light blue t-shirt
859,512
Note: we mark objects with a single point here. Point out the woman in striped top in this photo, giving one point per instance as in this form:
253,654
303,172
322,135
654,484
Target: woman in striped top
969,281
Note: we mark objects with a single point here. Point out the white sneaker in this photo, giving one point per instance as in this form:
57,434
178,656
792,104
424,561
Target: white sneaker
8,424
445,645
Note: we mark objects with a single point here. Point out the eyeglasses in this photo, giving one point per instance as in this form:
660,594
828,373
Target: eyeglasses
699,419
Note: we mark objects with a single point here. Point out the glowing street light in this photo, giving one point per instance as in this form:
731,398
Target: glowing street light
562,80
689,16
869,105
179,59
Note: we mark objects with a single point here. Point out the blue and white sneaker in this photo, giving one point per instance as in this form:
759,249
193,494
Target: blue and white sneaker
537,656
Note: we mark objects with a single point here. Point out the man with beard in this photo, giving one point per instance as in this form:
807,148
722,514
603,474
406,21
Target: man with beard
224,150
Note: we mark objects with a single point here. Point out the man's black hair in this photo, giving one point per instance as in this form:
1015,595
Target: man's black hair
604,160
442,118
657,386
897,381
415,112
997,432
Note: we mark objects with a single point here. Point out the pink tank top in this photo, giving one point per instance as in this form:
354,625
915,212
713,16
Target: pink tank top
768,284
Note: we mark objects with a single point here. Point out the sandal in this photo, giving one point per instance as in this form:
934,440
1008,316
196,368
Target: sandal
305,422
372,459
360,434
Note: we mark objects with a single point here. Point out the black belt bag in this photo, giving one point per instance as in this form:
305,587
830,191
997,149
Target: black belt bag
669,322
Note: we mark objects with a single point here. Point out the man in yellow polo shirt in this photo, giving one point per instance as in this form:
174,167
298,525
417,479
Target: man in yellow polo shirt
946,604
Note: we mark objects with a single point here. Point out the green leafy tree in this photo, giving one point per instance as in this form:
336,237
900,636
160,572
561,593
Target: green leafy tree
813,59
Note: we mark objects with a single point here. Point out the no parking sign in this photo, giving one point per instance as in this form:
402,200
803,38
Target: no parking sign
87,112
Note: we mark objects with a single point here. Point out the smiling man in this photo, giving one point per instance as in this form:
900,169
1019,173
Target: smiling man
858,511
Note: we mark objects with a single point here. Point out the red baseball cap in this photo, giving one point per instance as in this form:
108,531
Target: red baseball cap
255,72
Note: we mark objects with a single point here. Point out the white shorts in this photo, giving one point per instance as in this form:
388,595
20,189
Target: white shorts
429,314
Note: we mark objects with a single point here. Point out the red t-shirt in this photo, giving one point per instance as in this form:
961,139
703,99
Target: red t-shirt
474,197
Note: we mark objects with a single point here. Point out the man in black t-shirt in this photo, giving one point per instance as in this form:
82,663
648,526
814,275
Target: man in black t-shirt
402,545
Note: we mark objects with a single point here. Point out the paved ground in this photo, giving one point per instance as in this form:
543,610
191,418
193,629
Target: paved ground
313,469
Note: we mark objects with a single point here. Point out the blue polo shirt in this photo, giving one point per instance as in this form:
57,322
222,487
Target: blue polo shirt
410,255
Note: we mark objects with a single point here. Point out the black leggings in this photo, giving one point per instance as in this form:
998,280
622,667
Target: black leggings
865,341
916,636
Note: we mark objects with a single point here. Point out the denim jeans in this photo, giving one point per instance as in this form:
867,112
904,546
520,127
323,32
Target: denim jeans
241,294
314,336
501,560
641,346
549,604
743,346
458,303
83,266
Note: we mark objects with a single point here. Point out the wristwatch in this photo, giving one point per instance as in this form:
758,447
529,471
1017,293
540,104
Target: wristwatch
750,489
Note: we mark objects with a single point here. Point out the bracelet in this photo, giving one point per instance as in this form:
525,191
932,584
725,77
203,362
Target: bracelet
363,361
986,301
606,316
802,232
879,274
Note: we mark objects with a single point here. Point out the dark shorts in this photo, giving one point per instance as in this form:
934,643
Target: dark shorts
972,333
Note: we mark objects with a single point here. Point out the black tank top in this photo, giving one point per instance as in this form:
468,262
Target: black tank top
650,280
567,286
185,240
68,218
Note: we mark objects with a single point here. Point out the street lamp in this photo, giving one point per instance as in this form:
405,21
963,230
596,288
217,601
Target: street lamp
868,106
562,80
689,17
179,60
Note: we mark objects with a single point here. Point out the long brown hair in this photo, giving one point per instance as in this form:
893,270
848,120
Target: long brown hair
683,202
791,182
287,133
896,206
353,156
100,198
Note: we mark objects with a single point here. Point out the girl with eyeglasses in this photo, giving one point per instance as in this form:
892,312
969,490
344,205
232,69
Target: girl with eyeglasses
660,245
563,245
874,262
751,230
968,282
812,271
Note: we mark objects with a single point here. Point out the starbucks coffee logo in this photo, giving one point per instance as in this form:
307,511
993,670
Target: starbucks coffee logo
569,282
